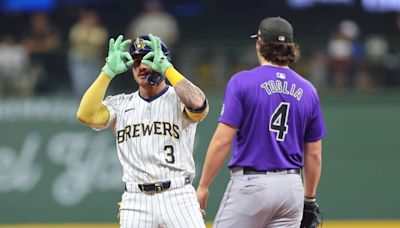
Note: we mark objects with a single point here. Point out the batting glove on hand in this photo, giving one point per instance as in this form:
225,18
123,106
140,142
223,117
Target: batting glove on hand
117,61
312,216
160,62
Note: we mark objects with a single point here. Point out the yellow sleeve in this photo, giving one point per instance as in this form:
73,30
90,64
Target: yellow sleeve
101,118
173,76
197,115
91,111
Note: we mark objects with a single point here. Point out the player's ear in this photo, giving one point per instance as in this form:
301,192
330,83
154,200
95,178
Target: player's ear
260,40
258,43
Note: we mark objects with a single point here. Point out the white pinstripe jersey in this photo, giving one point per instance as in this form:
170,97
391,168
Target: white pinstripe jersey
154,137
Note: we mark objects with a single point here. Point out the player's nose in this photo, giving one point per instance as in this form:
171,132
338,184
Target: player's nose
144,67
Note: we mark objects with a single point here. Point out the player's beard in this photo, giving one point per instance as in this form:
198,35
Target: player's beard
142,81
140,78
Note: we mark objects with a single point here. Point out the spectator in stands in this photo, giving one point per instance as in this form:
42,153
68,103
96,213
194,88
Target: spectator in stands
42,41
392,63
87,39
16,76
156,21
345,52
376,50
41,37
318,69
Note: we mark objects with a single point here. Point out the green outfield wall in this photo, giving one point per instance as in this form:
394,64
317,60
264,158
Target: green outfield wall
55,170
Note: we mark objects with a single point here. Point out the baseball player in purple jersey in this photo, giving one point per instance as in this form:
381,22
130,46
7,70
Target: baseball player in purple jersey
271,117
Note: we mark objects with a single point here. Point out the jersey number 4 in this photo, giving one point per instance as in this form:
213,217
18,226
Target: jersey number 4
278,121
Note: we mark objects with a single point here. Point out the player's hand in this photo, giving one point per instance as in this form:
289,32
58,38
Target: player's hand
203,212
118,60
312,216
160,62
202,195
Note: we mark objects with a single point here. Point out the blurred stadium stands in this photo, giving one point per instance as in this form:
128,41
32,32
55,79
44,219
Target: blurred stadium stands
213,41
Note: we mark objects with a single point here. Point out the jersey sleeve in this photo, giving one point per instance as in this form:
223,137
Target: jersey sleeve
232,108
316,129
111,103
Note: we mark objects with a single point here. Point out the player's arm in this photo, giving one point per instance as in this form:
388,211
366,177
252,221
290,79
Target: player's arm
312,167
191,96
91,111
218,150
196,106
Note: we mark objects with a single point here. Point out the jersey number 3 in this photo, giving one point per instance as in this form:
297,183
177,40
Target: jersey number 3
278,121
169,153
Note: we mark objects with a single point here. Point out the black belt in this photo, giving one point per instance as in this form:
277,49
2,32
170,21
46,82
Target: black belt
249,171
158,186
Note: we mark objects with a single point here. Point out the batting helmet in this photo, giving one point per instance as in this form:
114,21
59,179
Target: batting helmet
138,47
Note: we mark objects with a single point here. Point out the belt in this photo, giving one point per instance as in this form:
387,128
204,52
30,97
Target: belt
250,171
157,186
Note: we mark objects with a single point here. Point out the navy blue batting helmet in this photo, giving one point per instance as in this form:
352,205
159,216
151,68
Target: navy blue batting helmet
138,47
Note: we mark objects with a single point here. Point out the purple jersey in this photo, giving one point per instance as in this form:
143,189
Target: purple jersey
275,111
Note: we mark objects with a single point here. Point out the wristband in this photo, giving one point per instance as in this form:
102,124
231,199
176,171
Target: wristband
310,199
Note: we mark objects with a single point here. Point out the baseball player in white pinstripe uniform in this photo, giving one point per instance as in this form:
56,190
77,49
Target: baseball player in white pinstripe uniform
154,129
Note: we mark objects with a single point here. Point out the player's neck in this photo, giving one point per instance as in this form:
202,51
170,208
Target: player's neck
268,63
151,91
264,62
